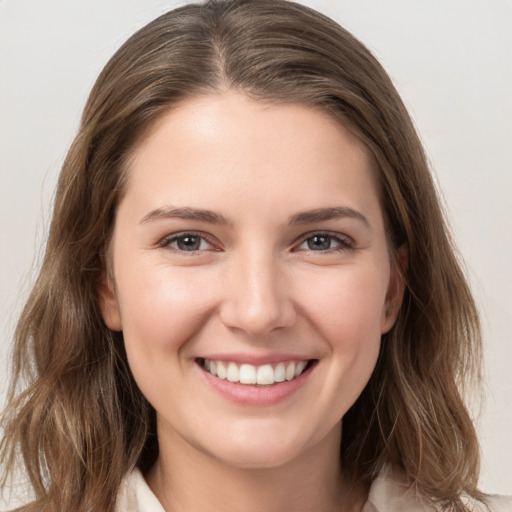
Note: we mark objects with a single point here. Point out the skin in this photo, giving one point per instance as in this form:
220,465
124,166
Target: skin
255,285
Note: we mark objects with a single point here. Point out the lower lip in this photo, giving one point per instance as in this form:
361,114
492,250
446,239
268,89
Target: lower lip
255,395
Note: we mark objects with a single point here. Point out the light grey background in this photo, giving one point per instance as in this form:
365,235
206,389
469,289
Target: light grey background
450,59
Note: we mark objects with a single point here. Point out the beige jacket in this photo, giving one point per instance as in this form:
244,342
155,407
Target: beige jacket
387,494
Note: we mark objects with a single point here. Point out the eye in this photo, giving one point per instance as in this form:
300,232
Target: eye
187,242
323,242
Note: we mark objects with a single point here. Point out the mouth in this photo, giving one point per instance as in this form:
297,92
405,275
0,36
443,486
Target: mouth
254,375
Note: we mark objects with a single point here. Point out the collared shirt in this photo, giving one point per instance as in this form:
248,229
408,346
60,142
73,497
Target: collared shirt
388,493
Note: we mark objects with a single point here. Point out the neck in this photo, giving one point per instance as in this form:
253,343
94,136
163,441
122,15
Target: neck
184,478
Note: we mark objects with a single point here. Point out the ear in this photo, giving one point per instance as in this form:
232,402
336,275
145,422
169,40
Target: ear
108,304
396,289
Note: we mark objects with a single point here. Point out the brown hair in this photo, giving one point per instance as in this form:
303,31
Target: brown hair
76,417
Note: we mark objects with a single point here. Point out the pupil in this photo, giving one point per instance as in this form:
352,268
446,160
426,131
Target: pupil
319,242
188,243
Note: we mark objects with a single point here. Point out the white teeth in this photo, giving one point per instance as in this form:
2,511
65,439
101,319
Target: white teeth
233,374
300,367
221,370
264,375
290,371
247,374
280,372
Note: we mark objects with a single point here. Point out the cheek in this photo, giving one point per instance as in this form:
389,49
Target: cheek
344,309
161,309
346,305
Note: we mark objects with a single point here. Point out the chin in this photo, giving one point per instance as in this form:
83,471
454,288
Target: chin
247,458
259,448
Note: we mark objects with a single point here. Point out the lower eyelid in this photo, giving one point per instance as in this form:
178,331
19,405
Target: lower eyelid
167,241
342,242
345,242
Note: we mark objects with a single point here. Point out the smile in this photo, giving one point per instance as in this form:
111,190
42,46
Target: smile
264,375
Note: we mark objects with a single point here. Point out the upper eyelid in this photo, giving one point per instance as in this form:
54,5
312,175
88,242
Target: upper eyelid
214,242
166,240
332,234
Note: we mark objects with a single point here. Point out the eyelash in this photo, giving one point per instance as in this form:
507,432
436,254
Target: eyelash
344,243
167,241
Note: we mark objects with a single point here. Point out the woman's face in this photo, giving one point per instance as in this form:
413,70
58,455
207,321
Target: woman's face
250,246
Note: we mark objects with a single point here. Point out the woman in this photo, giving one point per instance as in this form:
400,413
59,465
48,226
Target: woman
249,298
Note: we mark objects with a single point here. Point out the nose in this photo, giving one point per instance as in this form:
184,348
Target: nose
257,299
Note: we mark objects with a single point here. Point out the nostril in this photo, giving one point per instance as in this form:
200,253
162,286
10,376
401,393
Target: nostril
258,321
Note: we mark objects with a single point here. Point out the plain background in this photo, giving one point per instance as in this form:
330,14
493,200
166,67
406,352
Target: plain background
450,59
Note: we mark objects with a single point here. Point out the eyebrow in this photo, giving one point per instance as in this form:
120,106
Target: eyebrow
325,214
185,213
306,217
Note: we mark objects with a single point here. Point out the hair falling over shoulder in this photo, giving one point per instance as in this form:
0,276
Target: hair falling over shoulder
77,423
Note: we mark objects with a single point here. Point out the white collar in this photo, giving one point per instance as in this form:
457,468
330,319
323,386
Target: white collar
389,493
136,496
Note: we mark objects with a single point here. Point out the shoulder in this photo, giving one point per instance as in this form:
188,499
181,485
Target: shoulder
390,492
135,495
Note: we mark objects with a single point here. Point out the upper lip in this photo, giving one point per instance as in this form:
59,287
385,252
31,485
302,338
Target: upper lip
256,360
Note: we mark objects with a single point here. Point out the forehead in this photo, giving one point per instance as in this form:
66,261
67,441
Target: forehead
246,147
235,118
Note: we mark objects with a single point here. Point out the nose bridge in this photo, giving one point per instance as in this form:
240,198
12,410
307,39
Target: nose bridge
257,299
